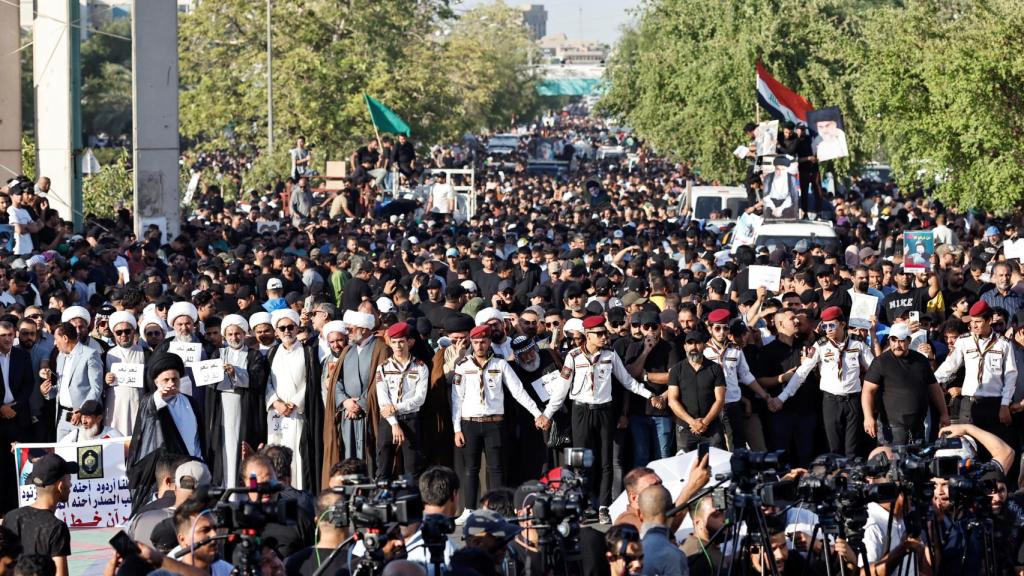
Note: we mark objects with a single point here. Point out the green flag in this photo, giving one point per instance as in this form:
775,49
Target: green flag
384,119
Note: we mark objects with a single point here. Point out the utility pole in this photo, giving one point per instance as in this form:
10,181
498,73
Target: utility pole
270,85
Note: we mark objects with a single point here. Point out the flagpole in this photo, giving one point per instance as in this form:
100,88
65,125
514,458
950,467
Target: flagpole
376,133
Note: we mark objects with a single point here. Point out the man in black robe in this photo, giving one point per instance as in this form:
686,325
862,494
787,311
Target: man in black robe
168,423
530,456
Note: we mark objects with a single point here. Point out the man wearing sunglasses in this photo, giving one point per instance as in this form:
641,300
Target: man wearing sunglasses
841,360
906,383
734,365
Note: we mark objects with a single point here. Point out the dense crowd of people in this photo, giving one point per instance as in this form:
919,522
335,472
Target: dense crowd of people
361,336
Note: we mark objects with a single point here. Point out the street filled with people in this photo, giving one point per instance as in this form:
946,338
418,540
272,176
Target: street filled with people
552,365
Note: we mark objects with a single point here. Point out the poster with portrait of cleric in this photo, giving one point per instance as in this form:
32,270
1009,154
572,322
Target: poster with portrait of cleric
918,248
828,135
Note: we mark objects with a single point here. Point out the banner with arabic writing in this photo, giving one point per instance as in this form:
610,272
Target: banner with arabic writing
100,497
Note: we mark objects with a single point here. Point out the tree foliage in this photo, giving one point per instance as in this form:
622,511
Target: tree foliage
106,58
684,77
441,76
936,87
111,188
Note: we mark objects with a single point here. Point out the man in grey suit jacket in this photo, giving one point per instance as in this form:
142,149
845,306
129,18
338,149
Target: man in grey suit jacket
79,377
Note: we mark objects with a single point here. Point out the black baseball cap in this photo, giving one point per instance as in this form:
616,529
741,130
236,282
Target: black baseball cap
50,469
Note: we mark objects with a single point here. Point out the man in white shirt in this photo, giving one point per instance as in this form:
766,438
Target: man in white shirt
905,555
441,201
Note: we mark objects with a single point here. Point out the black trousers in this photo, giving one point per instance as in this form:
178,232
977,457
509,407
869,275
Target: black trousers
9,432
688,441
734,431
983,412
412,454
593,427
481,437
843,418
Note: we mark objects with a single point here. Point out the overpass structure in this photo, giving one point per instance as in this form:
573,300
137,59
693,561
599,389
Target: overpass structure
570,79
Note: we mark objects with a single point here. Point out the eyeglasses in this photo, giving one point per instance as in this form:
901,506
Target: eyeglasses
286,327
617,324
554,324
829,326
162,306
153,334
650,326
599,333
125,332
719,327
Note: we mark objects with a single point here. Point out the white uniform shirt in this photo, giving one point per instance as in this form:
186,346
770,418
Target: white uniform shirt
588,379
734,365
840,367
479,391
874,538
404,387
990,369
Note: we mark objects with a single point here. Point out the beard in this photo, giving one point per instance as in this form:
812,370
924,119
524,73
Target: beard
532,365
90,433
862,287
695,356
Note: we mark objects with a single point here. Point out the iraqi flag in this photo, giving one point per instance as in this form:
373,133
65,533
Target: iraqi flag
781,102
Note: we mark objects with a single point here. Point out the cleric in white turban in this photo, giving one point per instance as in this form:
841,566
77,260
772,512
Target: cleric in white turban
186,342
236,411
121,401
263,330
82,320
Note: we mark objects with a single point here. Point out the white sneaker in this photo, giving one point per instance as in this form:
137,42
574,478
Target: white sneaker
463,517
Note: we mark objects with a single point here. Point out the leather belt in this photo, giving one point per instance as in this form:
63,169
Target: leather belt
483,419
589,406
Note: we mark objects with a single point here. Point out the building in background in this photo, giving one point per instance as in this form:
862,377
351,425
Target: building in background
535,17
558,49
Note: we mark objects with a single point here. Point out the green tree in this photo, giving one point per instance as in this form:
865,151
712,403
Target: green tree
106,59
105,192
944,93
443,76
684,77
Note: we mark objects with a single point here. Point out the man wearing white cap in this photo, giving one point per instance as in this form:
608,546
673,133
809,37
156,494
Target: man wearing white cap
293,401
263,330
500,342
122,398
355,399
236,412
153,330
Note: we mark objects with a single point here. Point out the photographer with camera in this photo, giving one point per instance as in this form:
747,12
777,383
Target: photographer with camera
330,535
703,547
286,538
639,479
623,551
887,545
971,521
193,525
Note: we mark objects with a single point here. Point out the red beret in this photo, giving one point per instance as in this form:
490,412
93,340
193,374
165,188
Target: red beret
591,322
832,313
980,308
482,331
718,316
399,330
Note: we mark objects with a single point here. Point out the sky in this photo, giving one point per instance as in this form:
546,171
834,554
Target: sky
600,21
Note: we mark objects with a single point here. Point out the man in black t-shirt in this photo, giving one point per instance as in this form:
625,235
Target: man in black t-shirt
357,288
36,525
906,382
905,298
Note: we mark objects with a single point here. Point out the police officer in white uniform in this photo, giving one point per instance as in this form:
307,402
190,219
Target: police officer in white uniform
586,378
734,365
401,383
990,374
478,411
841,361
